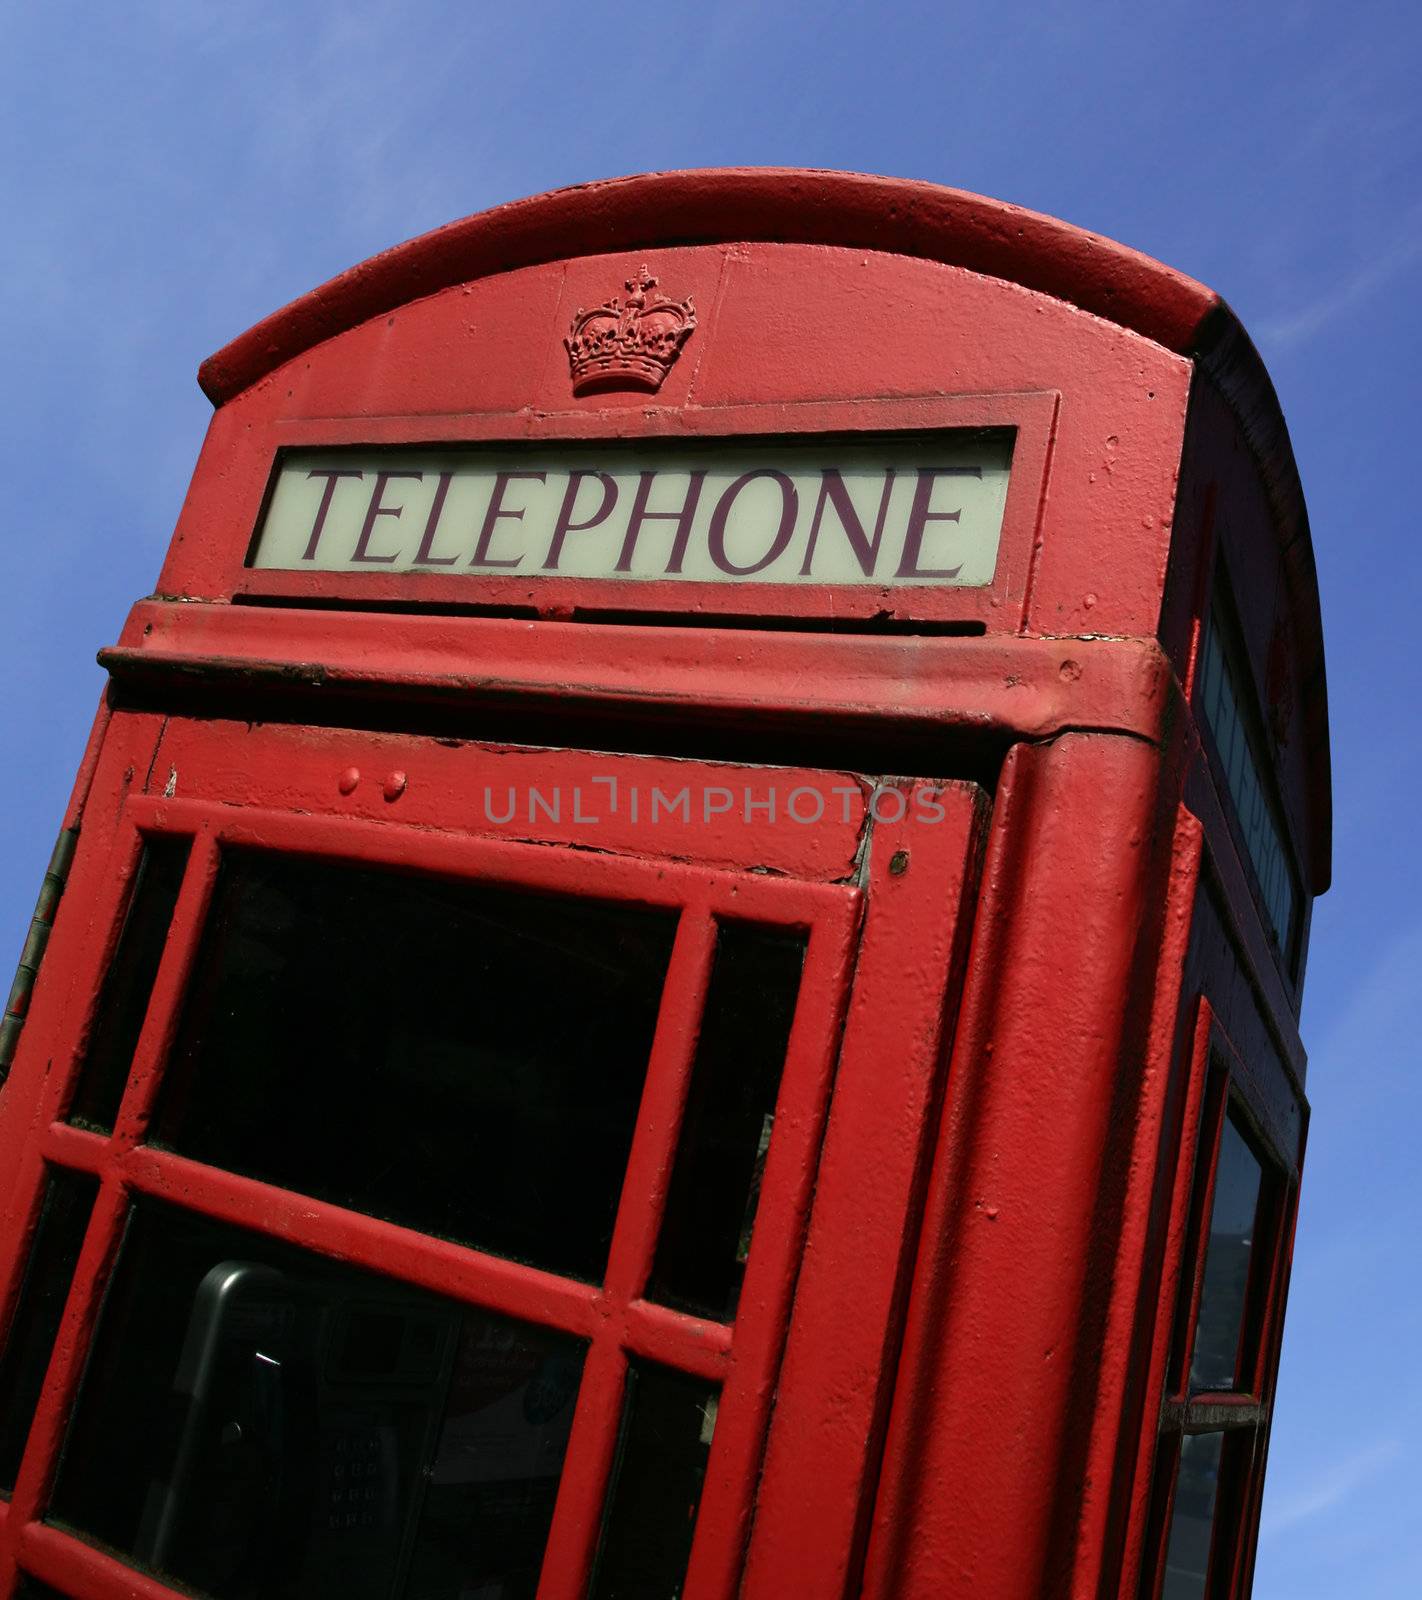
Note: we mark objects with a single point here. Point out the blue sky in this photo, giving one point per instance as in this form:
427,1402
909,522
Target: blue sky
176,169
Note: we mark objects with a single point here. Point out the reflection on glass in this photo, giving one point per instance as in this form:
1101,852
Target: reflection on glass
261,1424
458,1057
1227,1256
745,1028
667,1423
1187,1556
128,984
54,1251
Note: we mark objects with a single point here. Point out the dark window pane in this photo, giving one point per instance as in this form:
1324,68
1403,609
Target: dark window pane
460,1058
750,1004
1224,700
1187,1557
127,985
64,1216
262,1424
33,1589
667,1422
1225,1290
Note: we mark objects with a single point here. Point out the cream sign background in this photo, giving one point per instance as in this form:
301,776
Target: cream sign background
926,510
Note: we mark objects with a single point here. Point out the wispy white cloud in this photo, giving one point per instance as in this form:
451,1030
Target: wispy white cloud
1376,1022
1328,1488
1349,293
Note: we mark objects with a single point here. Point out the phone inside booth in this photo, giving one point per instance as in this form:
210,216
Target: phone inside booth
323,1432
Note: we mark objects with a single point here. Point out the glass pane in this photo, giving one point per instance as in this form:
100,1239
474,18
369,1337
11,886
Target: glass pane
128,983
1226,1285
1223,700
263,1424
33,1589
54,1251
745,1028
1187,1556
667,1423
464,1059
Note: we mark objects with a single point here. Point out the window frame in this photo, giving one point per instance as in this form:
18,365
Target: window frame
809,894
1224,1088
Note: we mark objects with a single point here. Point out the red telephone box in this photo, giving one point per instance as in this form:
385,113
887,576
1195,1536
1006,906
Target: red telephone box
674,967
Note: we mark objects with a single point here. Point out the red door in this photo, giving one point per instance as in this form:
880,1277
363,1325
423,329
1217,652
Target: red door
427,1158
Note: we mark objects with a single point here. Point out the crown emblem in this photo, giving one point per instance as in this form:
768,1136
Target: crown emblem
628,344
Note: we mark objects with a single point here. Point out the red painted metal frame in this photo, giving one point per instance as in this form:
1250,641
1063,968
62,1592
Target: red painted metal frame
1145,1548
614,1317
1105,1519
1021,1316
823,1458
1025,688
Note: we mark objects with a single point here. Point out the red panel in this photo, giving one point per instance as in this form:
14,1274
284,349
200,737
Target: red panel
1138,1331
798,324
731,816
823,1449
993,1412
430,357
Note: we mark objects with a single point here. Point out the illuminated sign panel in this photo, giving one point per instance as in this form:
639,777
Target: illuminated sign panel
888,511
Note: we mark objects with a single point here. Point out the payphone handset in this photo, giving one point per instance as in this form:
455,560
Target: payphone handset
307,1420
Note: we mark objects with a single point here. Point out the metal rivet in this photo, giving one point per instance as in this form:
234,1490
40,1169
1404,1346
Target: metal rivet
395,785
348,780
898,863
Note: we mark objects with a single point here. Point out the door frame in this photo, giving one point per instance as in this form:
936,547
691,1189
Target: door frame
878,887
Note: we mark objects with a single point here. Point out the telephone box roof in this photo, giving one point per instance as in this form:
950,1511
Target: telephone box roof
712,206
893,215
